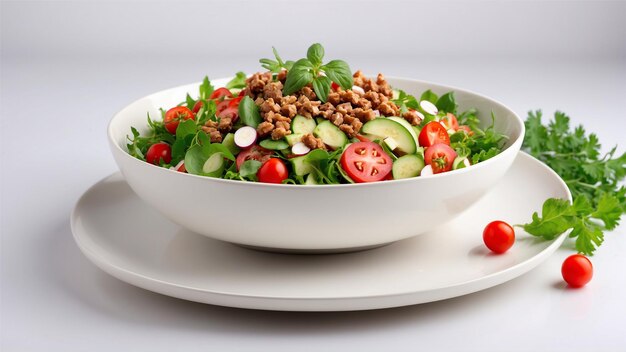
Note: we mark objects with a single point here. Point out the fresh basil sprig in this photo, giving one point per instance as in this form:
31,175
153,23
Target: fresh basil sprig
310,69
277,65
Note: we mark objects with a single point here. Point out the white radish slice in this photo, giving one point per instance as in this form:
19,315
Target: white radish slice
245,137
429,107
420,115
300,149
358,90
376,113
177,167
427,171
391,143
213,163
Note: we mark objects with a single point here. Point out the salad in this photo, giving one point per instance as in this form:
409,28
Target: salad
314,122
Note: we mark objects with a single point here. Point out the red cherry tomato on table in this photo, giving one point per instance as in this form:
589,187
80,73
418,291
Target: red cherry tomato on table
440,157
450,121
273,171
499,236
433,133
173,117
577,270
366,162
254,152
157,152
221,93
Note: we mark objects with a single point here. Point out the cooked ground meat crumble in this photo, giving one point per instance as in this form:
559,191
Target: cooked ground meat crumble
347,109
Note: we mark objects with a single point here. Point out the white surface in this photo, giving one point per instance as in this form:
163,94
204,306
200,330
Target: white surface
57,98
128,239
202,204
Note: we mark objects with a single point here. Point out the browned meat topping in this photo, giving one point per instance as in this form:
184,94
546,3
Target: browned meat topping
412,117
211,128
312,142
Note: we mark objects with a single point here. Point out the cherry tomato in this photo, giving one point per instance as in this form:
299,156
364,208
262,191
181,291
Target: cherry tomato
334,86
366,162
197,106
221,93
362,138
173,117
234,102
273,171
450,121
433,133
440,156
181,168
498,236
221,106
577,270
157,152
254,152
467,129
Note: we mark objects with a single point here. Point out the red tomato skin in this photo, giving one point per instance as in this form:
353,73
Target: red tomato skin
381,162
182,168
440,151
221,93
174,115
362,138
498,236
433,133
466,129
159,151
577,270
334,86
273,171
450,121
197,106
253,152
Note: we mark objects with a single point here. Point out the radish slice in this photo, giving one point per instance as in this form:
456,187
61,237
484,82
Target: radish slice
420,115
245,137
358,90
427,171
429,107
300,149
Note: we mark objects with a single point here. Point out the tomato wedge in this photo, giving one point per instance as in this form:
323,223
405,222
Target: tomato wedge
433,133
254,152
221,93
173,117
450,121
366,162
440,157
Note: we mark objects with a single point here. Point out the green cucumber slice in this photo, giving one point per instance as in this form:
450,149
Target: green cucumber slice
229,143
406,125
460,162
311,180
294,138
384,127
407,166
274,145
301,124
331,135
301,166
214,165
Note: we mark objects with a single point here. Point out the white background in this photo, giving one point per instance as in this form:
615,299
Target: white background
68,67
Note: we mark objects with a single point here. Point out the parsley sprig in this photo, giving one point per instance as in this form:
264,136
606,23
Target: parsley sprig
594,180
310,70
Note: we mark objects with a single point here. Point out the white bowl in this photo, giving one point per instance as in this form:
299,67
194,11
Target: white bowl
321,218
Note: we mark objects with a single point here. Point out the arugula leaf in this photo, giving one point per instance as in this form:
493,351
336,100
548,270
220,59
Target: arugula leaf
206,88
239,81
277,65
249,112
249,168
593,180
406,101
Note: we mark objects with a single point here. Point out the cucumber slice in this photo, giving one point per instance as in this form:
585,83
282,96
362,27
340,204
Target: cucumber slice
331,135
229,143
214,165
301,124
301,166
407,166
460,162
274,145
294,138
417,131
311,180
408,126
384,127
320,120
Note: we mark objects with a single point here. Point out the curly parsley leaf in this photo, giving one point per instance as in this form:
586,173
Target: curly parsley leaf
599,200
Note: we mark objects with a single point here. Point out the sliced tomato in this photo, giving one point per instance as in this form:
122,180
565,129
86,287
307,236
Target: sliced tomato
440,157
450,122
467,129
221,106
433,133
234,102
173,117
254,152
221,93
197,106
366,162
362,138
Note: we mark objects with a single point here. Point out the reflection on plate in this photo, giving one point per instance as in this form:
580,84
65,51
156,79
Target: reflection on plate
132,242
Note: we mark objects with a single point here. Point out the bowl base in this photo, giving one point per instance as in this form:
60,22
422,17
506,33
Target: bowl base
312,251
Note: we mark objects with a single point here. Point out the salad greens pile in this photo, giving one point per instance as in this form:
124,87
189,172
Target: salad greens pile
594,180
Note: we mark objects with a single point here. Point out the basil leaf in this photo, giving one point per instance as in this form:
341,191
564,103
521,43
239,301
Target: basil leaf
220,148
239,81
447,103
250,168
315,54
317,154
195,159
299,76
249,112
321,86
430,96
339,72
206,89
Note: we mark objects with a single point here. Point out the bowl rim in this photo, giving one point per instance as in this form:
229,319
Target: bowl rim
512,148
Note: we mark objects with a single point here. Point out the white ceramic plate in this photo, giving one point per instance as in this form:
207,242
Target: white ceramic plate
131,241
